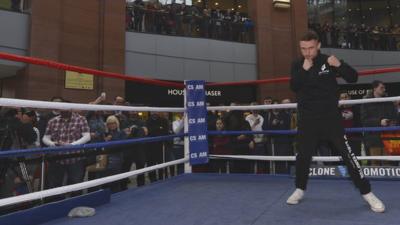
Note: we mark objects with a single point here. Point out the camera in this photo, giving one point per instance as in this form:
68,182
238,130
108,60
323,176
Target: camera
137,131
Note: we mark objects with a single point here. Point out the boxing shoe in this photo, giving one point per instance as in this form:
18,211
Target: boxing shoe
374,202
296,197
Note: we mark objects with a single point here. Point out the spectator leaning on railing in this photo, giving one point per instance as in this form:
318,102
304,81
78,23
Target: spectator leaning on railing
376,115
68,128
359,36
192,21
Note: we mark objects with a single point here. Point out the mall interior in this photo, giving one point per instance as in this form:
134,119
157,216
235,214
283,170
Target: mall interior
211,40
242,49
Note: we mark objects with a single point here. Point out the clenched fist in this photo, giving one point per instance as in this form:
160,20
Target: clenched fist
308,63
333,61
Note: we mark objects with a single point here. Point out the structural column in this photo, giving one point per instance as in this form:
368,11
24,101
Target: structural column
88,33
277,32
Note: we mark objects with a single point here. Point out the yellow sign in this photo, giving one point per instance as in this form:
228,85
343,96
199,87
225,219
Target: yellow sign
76,80
281,3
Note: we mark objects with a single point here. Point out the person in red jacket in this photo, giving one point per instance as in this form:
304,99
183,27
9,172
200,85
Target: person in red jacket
220,146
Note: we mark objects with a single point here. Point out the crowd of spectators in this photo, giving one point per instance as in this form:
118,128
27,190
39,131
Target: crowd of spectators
189,21
15,5
362,37
22,128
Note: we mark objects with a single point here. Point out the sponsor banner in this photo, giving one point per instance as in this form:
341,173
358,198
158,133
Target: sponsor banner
341,171
178,92
197,119
358,91
153,95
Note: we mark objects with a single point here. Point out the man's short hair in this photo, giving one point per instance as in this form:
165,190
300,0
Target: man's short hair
254,103
268,98
309,36
376,83
57,99
119,96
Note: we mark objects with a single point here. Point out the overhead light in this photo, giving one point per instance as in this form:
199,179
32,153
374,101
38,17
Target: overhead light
281,4
216,3
239,6
233,9
199,1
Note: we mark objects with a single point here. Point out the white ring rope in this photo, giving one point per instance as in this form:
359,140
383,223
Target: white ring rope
10,102
294,105
88,184
293,158
84,185
105,180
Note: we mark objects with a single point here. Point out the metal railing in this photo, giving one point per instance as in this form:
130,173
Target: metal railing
195,25
22,6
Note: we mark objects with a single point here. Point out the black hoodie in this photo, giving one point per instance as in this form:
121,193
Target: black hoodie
317,89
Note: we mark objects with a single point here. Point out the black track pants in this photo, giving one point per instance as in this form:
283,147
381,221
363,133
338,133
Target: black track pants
310,133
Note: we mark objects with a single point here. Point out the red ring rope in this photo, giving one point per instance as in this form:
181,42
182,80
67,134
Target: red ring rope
286,78
62,66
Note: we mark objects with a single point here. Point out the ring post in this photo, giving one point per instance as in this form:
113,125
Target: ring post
196,142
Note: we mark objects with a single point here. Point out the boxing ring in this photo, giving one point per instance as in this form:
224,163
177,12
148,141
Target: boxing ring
242,199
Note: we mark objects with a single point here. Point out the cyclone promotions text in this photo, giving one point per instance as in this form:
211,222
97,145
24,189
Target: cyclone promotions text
368,171
178,92
382,171
322,171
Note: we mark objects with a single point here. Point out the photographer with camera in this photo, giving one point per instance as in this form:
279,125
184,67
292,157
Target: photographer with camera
15,133
134,153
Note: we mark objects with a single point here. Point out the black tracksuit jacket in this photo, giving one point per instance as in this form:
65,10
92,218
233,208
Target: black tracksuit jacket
317,89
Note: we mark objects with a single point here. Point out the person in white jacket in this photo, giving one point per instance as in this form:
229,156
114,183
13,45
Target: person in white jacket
256,122
178,146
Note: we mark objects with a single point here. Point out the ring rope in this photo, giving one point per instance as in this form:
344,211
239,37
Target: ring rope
285,79
293,158
294,105
292,132
62,66
84,185
75,148
10,102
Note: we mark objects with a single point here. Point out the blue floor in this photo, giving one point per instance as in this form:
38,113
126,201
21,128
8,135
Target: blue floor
205,199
